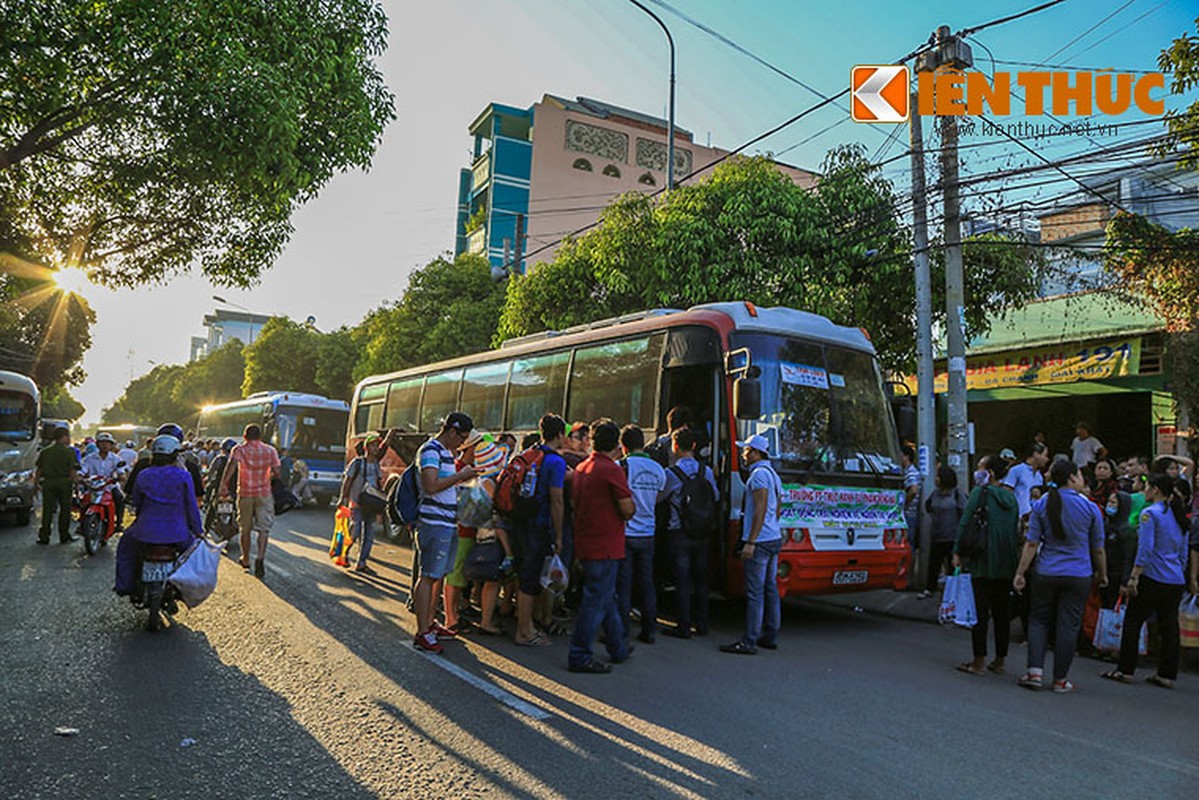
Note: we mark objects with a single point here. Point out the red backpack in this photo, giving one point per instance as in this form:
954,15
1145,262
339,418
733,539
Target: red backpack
516,488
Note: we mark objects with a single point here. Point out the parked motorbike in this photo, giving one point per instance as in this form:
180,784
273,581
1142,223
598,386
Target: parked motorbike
98,513
156,564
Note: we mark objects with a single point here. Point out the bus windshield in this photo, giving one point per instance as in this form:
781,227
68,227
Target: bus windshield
18,416
308,432
823,407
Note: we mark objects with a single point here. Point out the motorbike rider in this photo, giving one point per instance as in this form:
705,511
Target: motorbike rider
193,469
212,489
165,499
105,463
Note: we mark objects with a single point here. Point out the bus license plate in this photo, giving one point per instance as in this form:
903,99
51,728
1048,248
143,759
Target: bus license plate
848,577
154,571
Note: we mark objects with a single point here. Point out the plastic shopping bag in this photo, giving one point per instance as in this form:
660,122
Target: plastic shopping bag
1188,620
474,505
553,573
339,545
957,602
196,571
1110,629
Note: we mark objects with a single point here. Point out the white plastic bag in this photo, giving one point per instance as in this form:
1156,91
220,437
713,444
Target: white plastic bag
553,573
196,571
1188,620
1109,630
957,603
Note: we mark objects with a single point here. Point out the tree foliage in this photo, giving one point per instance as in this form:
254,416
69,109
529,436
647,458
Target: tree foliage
44,332
449,309
283,357
216,378
750,233
149,400
139,137
1181,59
336,356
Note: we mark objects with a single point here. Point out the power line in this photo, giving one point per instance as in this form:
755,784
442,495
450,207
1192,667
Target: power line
1121,30
1009,18
1070,67
1082,35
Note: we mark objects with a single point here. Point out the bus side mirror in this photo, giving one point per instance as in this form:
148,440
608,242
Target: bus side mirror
905,418
747,398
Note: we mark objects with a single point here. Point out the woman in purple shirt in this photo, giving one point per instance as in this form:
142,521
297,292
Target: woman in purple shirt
1157,579
165,498
1067,529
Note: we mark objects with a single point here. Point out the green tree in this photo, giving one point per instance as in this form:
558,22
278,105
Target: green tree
216,378
750,233
58,404
449,309
139,137
337,354
148,400
1181,59
283,357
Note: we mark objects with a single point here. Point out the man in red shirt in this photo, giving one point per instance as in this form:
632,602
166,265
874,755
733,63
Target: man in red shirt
602,503
257,463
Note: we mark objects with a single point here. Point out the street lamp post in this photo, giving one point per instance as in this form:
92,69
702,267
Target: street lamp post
670,121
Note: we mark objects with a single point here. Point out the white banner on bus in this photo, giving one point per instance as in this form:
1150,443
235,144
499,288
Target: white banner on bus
841,507
803,375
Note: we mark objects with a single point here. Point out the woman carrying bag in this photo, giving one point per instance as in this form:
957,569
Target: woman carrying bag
1067,530
1157,579
991,565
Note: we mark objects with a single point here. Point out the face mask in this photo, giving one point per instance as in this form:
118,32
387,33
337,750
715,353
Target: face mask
982,477
1112,507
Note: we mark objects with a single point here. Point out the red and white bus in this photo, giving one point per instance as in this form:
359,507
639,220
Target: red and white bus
812,388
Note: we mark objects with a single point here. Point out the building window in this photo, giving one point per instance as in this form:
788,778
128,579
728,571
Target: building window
606,143
647,179
611,171
583,164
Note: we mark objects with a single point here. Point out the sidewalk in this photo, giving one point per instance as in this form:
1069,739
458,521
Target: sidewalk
886,603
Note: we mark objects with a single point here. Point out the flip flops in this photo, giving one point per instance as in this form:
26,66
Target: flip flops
969,668
1158,680
1116,675
537,641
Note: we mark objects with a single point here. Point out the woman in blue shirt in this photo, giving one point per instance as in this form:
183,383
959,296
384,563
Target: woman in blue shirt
1157,579
1067,530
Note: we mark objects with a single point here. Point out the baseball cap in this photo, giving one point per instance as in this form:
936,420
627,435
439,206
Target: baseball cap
1008,454
757,442
106,437
578,427
459,422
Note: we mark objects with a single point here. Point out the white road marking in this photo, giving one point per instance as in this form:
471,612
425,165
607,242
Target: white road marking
507,698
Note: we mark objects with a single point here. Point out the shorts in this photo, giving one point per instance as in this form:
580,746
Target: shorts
457,576
255,514
534,547
435,548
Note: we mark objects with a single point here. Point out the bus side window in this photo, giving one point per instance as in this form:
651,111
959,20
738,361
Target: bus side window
403,405
535,387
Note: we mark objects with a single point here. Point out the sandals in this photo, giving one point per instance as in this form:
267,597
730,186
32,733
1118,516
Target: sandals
537,641
997,668
1063,687
1158,680
1030,681
969,668
1117,676
499,631
556,629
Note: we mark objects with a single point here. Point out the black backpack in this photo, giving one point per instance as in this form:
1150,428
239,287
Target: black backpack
973,541
697,503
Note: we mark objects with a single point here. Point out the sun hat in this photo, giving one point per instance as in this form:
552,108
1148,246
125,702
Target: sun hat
757,442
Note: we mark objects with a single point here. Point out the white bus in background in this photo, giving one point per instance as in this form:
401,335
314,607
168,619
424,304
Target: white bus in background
20,408
308,427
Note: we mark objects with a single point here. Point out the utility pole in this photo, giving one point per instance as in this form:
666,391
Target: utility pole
955,54
926,422
520,245
670,121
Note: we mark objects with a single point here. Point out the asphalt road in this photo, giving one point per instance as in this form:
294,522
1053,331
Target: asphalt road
306,685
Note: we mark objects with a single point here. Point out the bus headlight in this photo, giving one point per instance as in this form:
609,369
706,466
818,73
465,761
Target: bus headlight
798,535
784,570
16,479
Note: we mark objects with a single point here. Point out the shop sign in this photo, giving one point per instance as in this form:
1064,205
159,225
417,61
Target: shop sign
1038,366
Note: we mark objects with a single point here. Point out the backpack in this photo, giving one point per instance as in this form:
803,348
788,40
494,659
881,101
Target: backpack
516,487
697,503
973,541
403,500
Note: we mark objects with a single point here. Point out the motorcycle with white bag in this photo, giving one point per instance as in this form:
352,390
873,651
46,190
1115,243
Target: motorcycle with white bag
167,576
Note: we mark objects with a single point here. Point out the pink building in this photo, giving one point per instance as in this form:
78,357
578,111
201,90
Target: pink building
538,188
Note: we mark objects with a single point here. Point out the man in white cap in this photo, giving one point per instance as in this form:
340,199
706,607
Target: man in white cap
761,540
104,463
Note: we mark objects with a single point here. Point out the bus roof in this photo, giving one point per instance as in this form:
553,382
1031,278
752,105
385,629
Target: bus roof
288,398
730,316
18,382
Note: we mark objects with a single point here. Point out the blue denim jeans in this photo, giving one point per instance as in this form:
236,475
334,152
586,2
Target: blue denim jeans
638,569
762,610
690,559
598,607
362,530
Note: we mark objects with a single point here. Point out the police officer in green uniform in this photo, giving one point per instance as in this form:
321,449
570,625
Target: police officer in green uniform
56,469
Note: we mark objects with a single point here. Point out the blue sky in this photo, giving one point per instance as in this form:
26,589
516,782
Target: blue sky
356,243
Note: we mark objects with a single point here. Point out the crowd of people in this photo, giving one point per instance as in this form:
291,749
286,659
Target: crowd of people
1062,536
592,500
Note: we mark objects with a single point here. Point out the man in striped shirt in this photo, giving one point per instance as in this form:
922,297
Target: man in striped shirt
437,521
